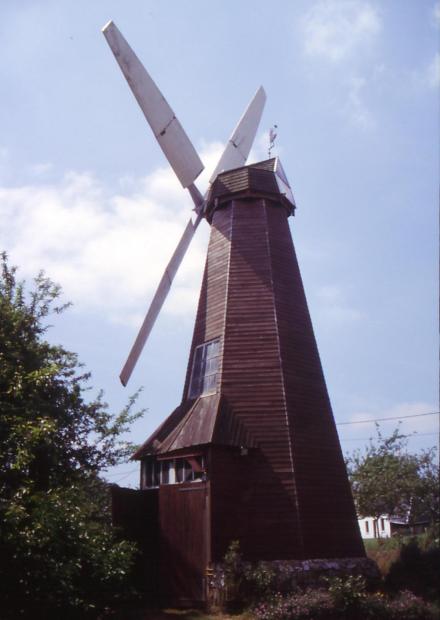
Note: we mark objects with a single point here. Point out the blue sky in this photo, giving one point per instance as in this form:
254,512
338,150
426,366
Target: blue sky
86,194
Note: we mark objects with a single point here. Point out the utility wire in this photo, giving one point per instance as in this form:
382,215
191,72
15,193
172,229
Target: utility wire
123,473
397,417
126,475
415,434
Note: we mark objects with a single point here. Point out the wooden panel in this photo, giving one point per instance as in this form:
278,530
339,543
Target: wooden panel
184,530
238,483
321,480
252,382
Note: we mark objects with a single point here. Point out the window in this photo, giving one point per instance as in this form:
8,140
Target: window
180,470
205,369
382,524
165,472
149,474
367,526
155,473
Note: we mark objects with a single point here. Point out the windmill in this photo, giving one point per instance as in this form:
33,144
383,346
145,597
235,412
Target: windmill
251,452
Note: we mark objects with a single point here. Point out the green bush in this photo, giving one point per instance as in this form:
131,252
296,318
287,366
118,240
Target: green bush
347,594
416,570
59,555
258,582
247,583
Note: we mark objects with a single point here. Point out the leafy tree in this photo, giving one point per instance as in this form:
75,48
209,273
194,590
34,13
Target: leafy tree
58,551
387,479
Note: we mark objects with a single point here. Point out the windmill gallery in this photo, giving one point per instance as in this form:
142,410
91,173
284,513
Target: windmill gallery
251,453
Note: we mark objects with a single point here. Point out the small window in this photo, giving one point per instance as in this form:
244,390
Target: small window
205,369
382,524
144,470
150,474
165,472
180,470
188,472
156,473
367,526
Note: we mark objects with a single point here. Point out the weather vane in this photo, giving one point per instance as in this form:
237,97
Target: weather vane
272,136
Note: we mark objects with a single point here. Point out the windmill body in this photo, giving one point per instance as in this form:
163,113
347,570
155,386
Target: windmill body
251,453
253,440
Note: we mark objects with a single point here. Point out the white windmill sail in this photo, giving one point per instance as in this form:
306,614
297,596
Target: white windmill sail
242,138
159,299
170,134
226,162
184,160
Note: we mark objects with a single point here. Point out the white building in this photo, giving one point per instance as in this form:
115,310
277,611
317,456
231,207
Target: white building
375,528
386,526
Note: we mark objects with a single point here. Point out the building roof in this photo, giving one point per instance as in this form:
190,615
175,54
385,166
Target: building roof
207,420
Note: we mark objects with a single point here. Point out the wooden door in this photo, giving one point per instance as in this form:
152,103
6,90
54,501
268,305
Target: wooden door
184,523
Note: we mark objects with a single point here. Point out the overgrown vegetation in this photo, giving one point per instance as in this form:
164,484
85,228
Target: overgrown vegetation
386,551
58,552
409,592
318,604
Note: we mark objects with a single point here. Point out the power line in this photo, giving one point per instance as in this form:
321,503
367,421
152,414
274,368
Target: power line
398,417
415,434
126,475
122,474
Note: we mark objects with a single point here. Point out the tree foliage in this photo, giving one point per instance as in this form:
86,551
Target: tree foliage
58,551
387,479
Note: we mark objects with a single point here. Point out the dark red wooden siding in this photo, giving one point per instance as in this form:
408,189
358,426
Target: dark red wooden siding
271,378
289,498
328,519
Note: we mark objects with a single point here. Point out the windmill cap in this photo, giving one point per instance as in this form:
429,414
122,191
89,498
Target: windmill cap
266,179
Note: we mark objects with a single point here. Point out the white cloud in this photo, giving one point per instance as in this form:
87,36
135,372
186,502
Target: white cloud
427,76
433,72
39,170
336,29
355,107
436,14
107,251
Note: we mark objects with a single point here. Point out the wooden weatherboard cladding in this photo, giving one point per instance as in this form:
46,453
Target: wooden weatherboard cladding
274,466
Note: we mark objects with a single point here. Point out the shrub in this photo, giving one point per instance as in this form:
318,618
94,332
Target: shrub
233,572
347,594
247,583
416,570
407,606
258,582
322,605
